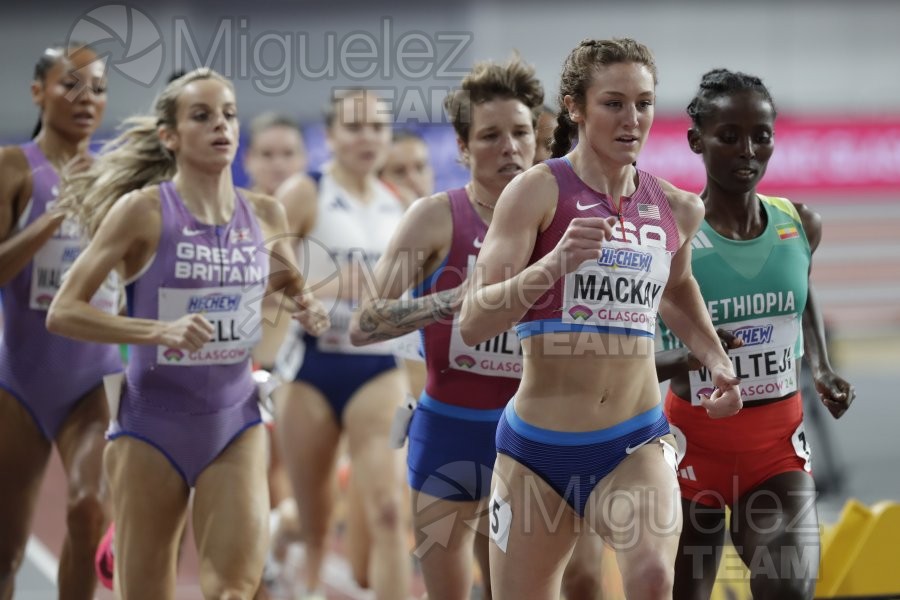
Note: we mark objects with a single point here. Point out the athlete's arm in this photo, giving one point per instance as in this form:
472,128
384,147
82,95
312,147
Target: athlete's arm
127,237
284,276
18,249
425,231
502,288
678,361
836,393
683,309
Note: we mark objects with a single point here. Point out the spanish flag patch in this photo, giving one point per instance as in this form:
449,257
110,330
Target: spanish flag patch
787,232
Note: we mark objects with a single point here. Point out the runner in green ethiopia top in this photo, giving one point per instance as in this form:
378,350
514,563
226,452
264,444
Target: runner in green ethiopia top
757,288
751,259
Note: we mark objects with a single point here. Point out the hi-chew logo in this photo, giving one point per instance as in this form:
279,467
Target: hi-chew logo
216,302
754,335
625,258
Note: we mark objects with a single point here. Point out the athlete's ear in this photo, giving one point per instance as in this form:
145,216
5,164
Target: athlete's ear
695,141
168,138
572,108
463,148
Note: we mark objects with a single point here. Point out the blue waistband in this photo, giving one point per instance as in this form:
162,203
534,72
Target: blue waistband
458,412
580,438
542,326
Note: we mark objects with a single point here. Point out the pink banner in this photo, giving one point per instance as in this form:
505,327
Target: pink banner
827,157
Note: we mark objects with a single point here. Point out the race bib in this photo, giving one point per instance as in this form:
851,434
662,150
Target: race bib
620,291
337,338
765,363
500,356
500,521
801,447
51,264
234,312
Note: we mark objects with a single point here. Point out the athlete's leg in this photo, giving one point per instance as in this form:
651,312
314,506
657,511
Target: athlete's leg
445,532
81,442
375,471
637,509
149,500
775,530
699,550
309,437
357,534
24,453
276,474
231,525
542,527
482,548
581,579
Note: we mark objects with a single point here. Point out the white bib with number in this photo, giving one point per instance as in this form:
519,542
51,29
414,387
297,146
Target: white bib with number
234,312
765,363
620,291
51,264
500,356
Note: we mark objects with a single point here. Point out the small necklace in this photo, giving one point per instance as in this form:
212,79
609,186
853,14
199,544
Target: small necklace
470,189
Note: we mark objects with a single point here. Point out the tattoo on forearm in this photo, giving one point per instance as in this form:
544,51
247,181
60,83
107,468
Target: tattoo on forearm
387,319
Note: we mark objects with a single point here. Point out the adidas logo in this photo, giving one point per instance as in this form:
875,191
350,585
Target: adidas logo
700,241
687,473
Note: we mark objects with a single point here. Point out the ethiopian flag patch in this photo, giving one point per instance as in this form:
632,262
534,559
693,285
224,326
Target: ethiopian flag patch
787,232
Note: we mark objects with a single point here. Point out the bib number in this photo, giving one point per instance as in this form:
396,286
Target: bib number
234,313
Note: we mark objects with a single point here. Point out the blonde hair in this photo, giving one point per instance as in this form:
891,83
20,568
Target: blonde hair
133,160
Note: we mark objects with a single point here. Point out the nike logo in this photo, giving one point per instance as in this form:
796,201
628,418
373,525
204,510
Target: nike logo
633,449
477,243
188,232
581,206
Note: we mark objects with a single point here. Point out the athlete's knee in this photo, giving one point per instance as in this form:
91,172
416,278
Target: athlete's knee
581,581
786,588
86,515
651,576
785,572
387,513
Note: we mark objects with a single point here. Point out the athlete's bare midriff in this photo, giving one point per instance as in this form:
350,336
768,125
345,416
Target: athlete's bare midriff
586,381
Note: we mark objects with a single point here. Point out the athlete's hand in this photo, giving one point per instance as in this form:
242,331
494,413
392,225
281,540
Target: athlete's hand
311,314
582,241
190,332
728,340
835,392
726,397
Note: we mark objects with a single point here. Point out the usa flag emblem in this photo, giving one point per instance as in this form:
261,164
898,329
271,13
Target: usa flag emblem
648,211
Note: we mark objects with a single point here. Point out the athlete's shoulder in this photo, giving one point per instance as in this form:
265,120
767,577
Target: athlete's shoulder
784,206
684,204
298,187
261,204
14,170
537,185
144,201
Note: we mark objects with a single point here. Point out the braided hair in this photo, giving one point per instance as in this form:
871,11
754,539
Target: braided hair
722,82
577,76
